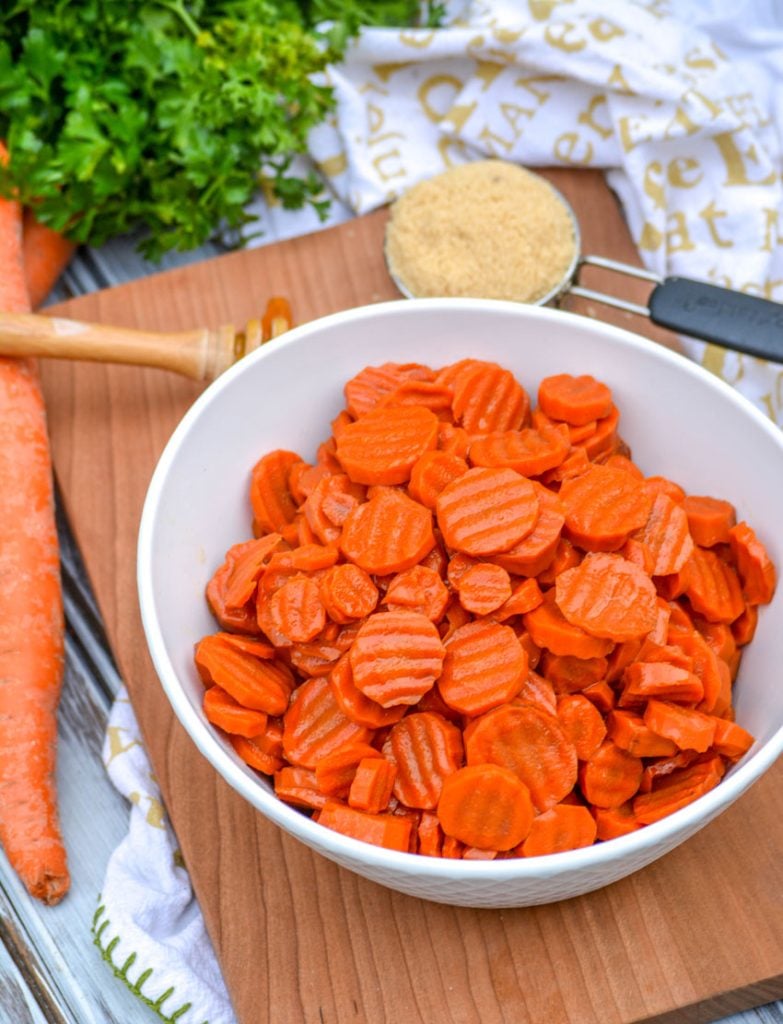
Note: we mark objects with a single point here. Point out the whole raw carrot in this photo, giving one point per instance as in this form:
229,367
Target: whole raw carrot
31,616
46,254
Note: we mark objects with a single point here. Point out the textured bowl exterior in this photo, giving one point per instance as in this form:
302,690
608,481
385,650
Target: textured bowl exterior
680,422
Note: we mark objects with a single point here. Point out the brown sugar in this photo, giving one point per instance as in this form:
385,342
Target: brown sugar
488,229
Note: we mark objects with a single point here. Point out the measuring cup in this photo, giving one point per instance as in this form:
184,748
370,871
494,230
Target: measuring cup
729,318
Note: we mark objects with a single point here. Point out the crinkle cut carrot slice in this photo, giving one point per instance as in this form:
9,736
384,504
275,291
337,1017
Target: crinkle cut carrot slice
355,705
575,400
314,725
666,536
608,596
531,743
296,610
690,730
709,519
604,506
419,589
487,511
611,776
242,620
368,387
435,397
298,786
612,822
389,533
582,723
550,629
246,569
334,773
270,496
563,827
678,790
488,398
643,680
383,446
568,674
248,645
486,806
539,691
524,598
431,473
396,657
426,749
603,442
227,714
453,440
628,731
372,785
315,659
713,588
348,593
484,588
387,830
731,740
485,666
259,752
529,452
534,553
655,485
448,374
252,682
754,565
330,503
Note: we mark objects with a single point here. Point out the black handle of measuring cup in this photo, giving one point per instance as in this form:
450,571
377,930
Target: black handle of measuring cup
732,319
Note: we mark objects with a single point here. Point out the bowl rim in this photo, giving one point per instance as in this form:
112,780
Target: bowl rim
662,834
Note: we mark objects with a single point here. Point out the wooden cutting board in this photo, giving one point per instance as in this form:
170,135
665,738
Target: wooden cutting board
693,937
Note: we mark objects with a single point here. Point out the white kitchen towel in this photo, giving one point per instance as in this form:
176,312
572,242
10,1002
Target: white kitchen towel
680,102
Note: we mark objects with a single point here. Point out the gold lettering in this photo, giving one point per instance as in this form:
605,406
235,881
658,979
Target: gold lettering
737,161
713,107
678,169
333,165
680,123
772,234
488,71
417,39
448,88
385,71
566,146
375,118
710,214
512,114
490,139
631,132
650,238
678,237
530,82
445,144
116,745
398,171
696,58
653,186
459,114
587,117
565,36
507,35
384,138
618,82
603,30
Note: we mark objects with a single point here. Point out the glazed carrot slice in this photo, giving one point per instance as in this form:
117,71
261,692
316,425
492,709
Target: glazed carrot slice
264,752
688,729
330,503
488,398
303,479
601,694
582,724
354,704
431,473
731,740
628,731
429,394
296,610
335,772
298,786
563,827
568,674
430,835
620,461
611,776
270,496
306,558
753,564
531,743
372,785
348,593
713,587
453,440
709,519
315,659
484,588
314,725
246,569
486,511
678,790
666,536
448,374
524,598
539,691
242,620
486,806
419,589
458,565
383,446
655,485
365,390
535,553
643,680
387,830
663,766
575,400
529,452
426,749
574,464
612,822
566,557
389,533
718,637
252,682
223,711
396,657
604,506
485,665
743,628
705,663
550,629
249,645
608,596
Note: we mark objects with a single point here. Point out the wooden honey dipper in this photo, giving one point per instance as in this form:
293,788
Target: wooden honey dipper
201,353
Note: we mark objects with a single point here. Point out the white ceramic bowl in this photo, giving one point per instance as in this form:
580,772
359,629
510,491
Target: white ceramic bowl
679,420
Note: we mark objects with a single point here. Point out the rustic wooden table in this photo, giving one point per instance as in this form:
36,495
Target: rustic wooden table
49,969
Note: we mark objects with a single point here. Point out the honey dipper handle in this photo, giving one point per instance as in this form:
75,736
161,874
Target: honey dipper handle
200,354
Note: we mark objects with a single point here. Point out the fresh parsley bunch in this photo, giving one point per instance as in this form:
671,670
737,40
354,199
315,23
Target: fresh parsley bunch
162,113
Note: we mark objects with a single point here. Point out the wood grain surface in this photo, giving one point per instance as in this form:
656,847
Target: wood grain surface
693,937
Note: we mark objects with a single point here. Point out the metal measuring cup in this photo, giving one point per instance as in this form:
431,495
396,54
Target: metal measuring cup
729,318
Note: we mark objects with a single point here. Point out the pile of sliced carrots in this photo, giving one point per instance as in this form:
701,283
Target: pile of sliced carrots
473,629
